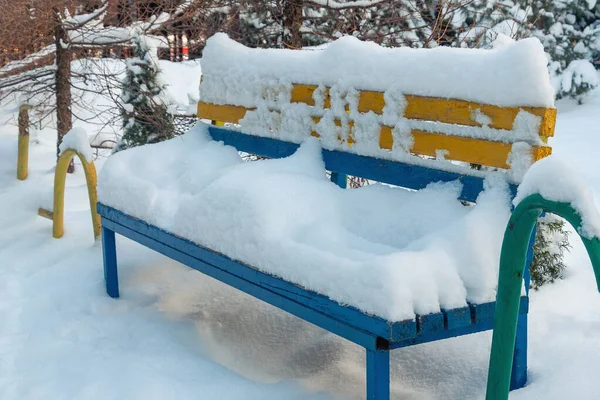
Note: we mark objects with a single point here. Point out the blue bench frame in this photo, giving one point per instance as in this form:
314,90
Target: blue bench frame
375,334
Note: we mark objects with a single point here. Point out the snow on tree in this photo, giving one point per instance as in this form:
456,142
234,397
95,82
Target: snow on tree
576,80
301,23
568,29
572,43
145,108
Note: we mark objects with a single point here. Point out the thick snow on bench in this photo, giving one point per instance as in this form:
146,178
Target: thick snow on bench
387,251
513,74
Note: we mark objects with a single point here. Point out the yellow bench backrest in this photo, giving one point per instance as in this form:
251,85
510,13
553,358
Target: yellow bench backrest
488,145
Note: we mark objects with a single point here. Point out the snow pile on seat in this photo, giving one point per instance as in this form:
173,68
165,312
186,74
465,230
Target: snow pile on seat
387,251
557,180
235,74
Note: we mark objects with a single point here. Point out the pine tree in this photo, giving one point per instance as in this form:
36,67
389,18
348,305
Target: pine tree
551,242
145,114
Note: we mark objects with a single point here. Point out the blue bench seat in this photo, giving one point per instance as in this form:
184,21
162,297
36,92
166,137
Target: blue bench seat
376,334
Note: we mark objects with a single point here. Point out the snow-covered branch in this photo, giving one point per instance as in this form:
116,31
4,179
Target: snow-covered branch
32,59
95,34
79,21
113,36
348,4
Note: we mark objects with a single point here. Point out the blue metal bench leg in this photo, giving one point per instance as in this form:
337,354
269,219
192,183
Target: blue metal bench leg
518,377
109,252
378,374
339,179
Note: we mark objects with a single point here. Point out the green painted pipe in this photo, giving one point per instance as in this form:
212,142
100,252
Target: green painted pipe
510,281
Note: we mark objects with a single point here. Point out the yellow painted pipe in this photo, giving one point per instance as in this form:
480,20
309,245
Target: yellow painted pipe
23,144
60,177
23,157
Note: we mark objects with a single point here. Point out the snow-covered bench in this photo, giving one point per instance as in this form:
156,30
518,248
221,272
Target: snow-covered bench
382,266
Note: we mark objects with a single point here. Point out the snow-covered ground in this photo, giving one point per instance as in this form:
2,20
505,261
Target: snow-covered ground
178,334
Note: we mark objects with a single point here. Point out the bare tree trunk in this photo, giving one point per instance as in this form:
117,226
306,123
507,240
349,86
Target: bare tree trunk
292,22
63,88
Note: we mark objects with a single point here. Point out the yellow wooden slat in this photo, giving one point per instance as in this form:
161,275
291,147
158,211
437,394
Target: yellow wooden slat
223,113
539,152
475,151
449,111
461,112
548,120
304,94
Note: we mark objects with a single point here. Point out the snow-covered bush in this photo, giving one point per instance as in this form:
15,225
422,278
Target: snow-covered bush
145,113
575,80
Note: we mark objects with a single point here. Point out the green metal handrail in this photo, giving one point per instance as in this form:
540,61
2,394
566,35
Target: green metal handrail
510,281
